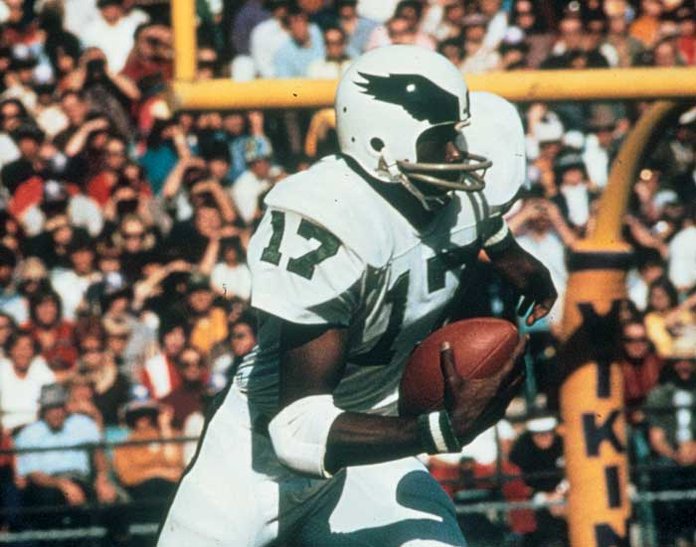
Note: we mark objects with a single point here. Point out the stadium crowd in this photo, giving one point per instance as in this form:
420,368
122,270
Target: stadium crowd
124,292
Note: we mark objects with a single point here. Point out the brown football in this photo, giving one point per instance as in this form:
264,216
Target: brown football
481,346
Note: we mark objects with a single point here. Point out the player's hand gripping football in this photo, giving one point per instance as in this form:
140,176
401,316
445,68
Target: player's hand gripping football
476,404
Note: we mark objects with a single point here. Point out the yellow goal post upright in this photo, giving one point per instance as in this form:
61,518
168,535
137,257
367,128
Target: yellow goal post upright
592,394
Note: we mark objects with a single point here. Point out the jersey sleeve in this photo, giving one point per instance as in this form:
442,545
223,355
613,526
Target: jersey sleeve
302,272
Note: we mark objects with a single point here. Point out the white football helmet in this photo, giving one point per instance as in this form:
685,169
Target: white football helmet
389,102
496,133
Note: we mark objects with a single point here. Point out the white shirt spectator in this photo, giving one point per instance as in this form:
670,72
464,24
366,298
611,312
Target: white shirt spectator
596,161
246,191
637,289
71,288
495,31
19,397
682,259
484,60
578,199
549,248
323,69
83,211
232,279
79,15
8,150
266,39
115,41
377,10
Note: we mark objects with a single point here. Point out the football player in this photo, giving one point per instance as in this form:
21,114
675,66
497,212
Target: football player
355,261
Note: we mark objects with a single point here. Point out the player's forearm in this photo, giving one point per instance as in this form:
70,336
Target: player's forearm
360,439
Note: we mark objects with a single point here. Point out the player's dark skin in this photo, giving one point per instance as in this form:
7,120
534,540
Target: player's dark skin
313,363
313,357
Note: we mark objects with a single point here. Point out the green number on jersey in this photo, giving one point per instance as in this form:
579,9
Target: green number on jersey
383,351
304,265
272,252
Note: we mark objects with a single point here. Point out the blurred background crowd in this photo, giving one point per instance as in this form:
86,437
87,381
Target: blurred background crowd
124,291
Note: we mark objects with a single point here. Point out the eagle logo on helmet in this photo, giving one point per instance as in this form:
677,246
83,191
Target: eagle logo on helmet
420,97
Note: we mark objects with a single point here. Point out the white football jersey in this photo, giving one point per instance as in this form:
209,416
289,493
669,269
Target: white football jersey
330,250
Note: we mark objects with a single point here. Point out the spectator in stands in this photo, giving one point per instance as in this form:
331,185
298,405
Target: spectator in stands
447,25
160,375
356,28
36,201
600,146
81,400
241,341
111,388
12,112
188,397
7,327
177,187
152,53
673,439
29,140
304,46
101,186
497,25
9,494
666,53
75,109
149,472
538,453
402,28
640,365
65,476
11,300
682,254
255,181
23,373
650,268
239,129
11,233
574,194
646,26
336,60
72,284
208,64
250,15
136,244
666,322
218,162
620,48
166,144
54,335
117,332
112,32
268,37
544,144
687,34
230,277
109,92
190,240
208,321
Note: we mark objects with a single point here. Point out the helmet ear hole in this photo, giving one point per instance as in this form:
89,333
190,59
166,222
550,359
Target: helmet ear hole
376,144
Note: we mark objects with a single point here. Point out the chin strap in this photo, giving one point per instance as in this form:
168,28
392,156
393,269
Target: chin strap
390,167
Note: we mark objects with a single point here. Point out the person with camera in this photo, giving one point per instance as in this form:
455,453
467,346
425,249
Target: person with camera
107,92
152,53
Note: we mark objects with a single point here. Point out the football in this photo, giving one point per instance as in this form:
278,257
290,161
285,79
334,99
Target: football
480,347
